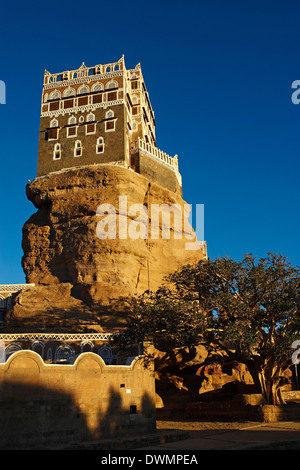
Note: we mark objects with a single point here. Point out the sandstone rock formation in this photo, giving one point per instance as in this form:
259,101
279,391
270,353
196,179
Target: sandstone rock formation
80,280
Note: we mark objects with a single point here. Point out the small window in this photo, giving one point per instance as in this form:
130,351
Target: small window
112,96
90,128
109,114
110,125
100,145
68,103
72,131
97,98
78,149
57,152
134,85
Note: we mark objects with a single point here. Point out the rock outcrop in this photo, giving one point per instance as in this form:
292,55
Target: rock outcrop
83,276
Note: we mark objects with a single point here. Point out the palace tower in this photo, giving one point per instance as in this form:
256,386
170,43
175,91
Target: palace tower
101,115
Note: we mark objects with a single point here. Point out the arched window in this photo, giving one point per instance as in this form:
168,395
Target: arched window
112,84
86,346
69,92
106,353
57,152
64,354
110,121
97,87
78,149
54,123
100,145
72,120
55,95
3,301
38,347
90,117
83,89
12,348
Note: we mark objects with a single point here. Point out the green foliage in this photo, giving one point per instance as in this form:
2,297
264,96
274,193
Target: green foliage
248,309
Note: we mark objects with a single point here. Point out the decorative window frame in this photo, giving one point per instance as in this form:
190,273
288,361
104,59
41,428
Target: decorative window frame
106,354
68,92
90,117
55,95
37,344
76,147
111,85
72,120
109,114
87,132
64,353
83,86
69,136
53,123
98,85
57,151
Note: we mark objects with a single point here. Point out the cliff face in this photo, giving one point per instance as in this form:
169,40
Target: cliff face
82,273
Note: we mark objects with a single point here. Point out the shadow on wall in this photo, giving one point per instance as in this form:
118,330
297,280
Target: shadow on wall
33,417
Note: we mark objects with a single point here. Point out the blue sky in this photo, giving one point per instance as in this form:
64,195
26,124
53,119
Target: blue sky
219,76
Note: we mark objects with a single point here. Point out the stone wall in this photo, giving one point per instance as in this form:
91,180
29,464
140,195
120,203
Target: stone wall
45,405
114,142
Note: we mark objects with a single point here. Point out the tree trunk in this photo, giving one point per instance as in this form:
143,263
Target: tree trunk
266,383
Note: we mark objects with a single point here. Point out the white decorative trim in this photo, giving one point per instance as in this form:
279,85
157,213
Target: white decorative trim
56,336
14,287
88,78
84,108
160,156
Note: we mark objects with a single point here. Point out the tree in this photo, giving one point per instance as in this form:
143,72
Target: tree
248,310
